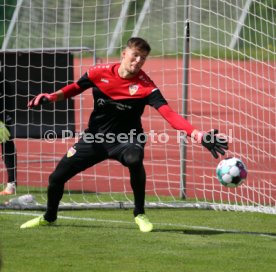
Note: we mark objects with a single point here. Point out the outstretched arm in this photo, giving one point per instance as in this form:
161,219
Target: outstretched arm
64,93
175,120
210,140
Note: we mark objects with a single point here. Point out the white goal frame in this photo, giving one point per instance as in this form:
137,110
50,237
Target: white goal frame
215,63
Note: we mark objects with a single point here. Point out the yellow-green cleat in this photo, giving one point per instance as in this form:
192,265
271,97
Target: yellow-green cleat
143,222
36,222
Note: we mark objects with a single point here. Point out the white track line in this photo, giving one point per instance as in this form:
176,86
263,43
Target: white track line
155,223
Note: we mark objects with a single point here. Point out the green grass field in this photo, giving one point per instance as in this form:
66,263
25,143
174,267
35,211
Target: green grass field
108,240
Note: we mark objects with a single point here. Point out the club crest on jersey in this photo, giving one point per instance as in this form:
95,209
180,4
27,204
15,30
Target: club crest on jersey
133,89
71,152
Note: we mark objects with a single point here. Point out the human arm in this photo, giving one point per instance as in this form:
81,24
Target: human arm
211,140
4,133
176,120
64,93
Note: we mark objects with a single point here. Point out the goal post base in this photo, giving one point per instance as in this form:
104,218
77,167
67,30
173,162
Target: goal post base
149,205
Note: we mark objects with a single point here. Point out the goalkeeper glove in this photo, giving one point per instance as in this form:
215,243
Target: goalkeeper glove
42,99
4,133
213,142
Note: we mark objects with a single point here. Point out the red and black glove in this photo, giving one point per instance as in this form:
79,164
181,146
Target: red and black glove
214,142
43,98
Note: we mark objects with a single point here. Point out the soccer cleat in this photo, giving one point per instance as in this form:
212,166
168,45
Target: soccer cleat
10,189
36,222
143,222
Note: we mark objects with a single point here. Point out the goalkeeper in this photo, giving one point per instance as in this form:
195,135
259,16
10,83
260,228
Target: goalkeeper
7,145
120,91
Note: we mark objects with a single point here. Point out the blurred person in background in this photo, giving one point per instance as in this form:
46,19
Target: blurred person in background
9,154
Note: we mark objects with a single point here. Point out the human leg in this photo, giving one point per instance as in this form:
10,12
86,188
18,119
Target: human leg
9,156
138,185
132,156
10,161
57,180
78,158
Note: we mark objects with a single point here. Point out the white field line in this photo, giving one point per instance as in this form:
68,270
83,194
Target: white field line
155,223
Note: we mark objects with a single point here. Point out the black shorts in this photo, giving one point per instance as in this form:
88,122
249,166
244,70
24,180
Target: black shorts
85,154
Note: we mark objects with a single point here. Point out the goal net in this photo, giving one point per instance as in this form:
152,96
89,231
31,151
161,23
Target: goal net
221,76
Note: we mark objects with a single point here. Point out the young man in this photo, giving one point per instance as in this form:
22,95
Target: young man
7,144
120,91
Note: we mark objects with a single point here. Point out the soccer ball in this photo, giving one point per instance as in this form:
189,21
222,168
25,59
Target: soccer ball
231,172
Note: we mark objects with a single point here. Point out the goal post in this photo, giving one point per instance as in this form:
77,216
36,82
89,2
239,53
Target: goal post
229,84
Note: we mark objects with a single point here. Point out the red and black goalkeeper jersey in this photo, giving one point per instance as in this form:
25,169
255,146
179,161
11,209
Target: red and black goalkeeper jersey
119,103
